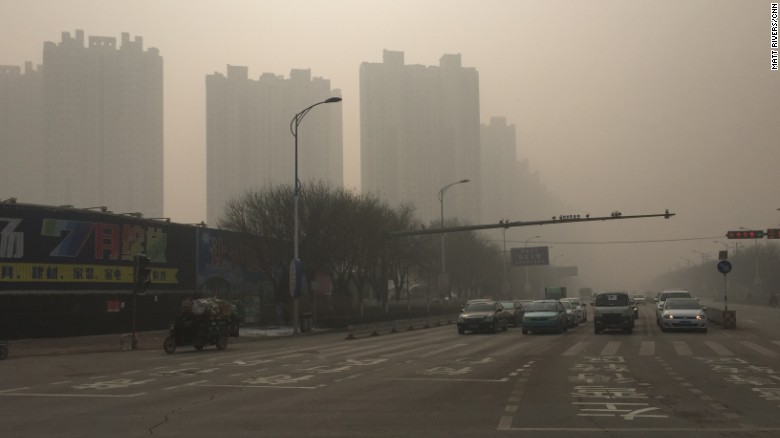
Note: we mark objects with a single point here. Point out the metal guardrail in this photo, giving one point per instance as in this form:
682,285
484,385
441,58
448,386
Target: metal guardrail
387,327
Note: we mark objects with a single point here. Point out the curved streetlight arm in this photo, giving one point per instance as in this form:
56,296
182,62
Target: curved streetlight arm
294,131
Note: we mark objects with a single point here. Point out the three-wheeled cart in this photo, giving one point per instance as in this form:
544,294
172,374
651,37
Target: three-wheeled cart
201,323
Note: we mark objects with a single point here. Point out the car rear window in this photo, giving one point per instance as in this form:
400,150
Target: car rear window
607,300
541,307
480,307
681,294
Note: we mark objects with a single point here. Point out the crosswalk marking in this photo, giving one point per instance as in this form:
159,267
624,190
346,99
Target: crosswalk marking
576,349
759,349
611,349
511,348
718,349
647,348
682,348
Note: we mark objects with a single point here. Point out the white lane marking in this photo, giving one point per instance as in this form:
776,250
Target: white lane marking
511,348
647,348
505,423
643,429
353,376
441,350
511,408
718,349
576,348
682,348
186,384
61,383
261,386
749,321
131,372
14,389
31,394
611,349
759,349
431,379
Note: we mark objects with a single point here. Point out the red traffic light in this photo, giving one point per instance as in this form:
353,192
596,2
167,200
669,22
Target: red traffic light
745,234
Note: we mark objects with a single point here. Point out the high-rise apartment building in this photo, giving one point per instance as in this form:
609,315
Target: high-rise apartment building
249,143
103,123
501,173
21,137
510,191
419,131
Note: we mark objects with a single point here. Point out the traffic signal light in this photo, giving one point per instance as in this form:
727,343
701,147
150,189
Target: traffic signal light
143,272
746,234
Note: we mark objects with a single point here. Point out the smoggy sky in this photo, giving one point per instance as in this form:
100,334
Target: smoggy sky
636,106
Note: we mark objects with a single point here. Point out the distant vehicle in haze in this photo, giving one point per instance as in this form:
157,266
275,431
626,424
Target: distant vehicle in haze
572,319
579,308
545,315
554,293
612,310
514,308
480,315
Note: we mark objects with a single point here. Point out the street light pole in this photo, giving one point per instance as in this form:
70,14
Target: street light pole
295,266
527,282
443,190
505,284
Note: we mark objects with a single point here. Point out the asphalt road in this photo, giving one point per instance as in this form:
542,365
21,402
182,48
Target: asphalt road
430,382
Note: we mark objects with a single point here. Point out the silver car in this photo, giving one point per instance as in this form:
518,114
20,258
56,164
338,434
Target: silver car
579,308
683,314
572,319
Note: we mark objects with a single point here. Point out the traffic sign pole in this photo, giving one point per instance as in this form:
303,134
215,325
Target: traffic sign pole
724,267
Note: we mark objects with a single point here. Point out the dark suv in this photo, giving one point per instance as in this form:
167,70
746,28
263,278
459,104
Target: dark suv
612,310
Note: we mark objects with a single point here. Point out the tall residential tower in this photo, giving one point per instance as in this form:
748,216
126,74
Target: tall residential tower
420,131
248,138
103,123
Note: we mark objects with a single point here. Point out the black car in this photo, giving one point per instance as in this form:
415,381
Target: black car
515,309
480,315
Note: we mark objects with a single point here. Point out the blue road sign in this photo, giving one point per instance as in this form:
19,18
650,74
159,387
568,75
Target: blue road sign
724,267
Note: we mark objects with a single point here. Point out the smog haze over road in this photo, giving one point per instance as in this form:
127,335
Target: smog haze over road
626,106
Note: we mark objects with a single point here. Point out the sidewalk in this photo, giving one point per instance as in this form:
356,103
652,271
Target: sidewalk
150,340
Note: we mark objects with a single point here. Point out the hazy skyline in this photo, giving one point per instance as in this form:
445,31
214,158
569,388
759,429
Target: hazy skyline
619,105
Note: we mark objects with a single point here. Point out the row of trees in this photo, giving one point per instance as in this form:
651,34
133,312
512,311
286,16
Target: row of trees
345,235
755,276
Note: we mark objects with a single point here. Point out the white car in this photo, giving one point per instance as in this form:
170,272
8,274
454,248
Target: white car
579,308
683,314
663,296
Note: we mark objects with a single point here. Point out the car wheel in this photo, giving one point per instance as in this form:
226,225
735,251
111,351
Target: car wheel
494,327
